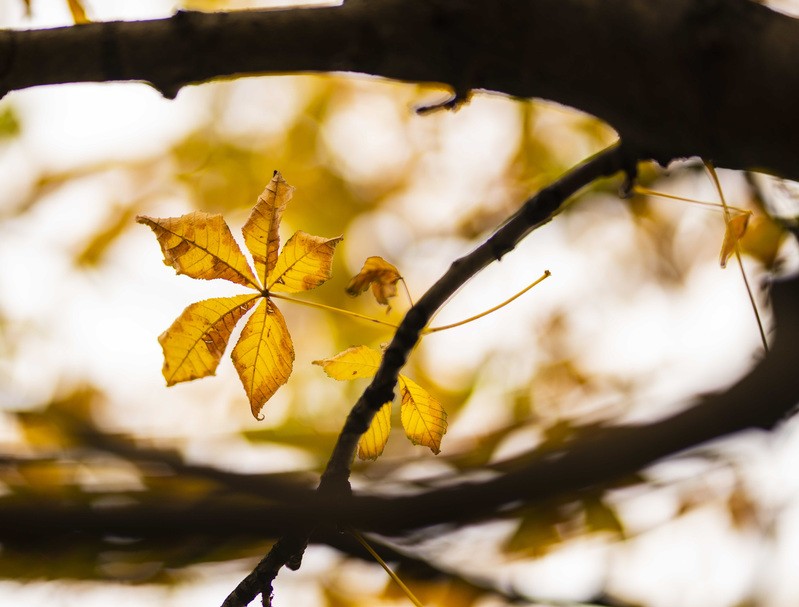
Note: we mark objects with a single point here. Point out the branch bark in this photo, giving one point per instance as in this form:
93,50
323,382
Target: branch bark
709,78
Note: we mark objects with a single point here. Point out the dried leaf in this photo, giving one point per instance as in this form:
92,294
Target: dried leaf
304,263
352,363
375,438
381,275
736,228
78,12
200,245
261,230
423,417
196,341
264,355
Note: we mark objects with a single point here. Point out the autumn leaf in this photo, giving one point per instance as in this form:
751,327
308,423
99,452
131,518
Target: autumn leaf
736,228
423,417
200,245
380,275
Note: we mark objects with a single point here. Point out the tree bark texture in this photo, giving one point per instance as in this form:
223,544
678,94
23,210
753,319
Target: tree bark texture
675,78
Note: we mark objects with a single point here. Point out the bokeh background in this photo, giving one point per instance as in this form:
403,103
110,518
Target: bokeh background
635,322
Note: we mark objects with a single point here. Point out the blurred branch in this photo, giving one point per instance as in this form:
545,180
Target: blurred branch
673,77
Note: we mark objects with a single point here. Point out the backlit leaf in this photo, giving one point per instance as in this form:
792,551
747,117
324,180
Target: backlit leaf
352,363
736,228
423,417
261,230
200,245
374,440
194,344
305,262
381,275
264,355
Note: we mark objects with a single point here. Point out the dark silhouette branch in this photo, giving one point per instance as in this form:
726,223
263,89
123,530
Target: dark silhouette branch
709,78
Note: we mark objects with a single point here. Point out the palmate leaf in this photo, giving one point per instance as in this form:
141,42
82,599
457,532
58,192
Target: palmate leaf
264,355
194,344
201,245
305,262
423,417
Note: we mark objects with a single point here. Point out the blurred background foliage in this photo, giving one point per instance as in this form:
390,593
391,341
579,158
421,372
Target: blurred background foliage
127,489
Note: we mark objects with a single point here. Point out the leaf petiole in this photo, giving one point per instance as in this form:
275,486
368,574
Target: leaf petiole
714,205
388,570
541,278
737,249
313,304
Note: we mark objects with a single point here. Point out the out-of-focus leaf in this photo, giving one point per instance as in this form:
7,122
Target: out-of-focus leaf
381,275
736,228
196,341
305,262
78,12
423,417
9,123
763,239
353,363
261,230
374,440
200,245
537,533
600,517
96,248
264,355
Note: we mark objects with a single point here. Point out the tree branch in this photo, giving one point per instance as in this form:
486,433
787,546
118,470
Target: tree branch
676,78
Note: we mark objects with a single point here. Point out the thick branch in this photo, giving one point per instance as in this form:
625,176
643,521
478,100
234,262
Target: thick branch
676,78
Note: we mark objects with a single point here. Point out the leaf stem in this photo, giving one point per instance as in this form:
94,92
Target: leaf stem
715,178
715,205
407,291
541,278
313,304
383,564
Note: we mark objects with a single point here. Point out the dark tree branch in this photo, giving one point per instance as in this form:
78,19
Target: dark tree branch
710,78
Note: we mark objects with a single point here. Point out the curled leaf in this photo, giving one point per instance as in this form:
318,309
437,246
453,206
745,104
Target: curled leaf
261,230
200,245
423,417
305,262
264,355
352,363
375,438
736,228
380,275
194,344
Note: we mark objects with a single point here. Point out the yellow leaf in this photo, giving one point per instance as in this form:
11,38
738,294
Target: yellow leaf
352,363
261,230
194,344
736,228
378,273
374,440
264,355
423,417
78,12
200,245
304,263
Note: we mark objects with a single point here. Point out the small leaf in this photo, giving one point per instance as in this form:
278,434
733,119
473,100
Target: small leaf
304,263
200,245
78,12
381,275
736,228
374,440
264,355
196,341
352,363
423,417
261,230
